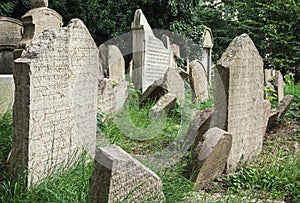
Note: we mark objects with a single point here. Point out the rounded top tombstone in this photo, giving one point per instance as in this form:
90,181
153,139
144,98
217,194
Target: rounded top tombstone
38,3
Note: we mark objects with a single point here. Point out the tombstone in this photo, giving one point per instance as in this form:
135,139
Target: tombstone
151,58
207,52
7,88
103,56
212,156
111,96
199,81
35,21
165,104
279,85
116,64
10,35
118,177
268,75
38,3
198,127
54,113
239,96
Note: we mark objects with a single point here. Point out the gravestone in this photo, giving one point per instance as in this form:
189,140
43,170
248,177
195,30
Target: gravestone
35,21
111,96
54,113
279,85
103,56
118,177
207,52
10,35
164,104
116,64
199,81
151,58
38,3
239,99
212,156
7,88
268,75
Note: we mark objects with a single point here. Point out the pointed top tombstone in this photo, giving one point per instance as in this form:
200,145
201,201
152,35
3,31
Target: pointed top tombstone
140,21
239,99
38,3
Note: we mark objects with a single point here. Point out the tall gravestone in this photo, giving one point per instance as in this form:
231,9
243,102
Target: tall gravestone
239,99
35,22
10,36
54,114
151,58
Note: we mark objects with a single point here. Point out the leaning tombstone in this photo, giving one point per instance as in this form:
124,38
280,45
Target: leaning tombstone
151,58
239,95
279,85
165,104
199,81
10,36
212,155
35,21
54,113
118,177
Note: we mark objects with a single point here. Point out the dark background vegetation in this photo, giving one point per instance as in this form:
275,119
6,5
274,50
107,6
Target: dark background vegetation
274,26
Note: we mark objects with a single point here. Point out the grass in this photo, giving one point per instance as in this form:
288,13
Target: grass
274,175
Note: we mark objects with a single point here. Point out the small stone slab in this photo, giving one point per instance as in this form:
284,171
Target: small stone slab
164,104
118,177
213,155
279,84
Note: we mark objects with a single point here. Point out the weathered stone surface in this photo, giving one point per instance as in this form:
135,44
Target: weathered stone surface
54,113
151,58
111,96
7,89
38,3
171,83
207,52
103,56
10,35
199,81
106,97
212,155
118,177
164,104
35,22
279,85
267,113
268,75
116,64
284,105
239,99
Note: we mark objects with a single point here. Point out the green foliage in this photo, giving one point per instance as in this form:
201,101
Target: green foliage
294,111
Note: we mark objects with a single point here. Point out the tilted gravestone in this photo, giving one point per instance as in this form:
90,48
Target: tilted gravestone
35,22
239,99
199,81
54,114
151,58
118,177
212,155
10,36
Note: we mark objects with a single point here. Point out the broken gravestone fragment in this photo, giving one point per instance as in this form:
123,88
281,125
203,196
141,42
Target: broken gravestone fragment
239,95
212,155
118,177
